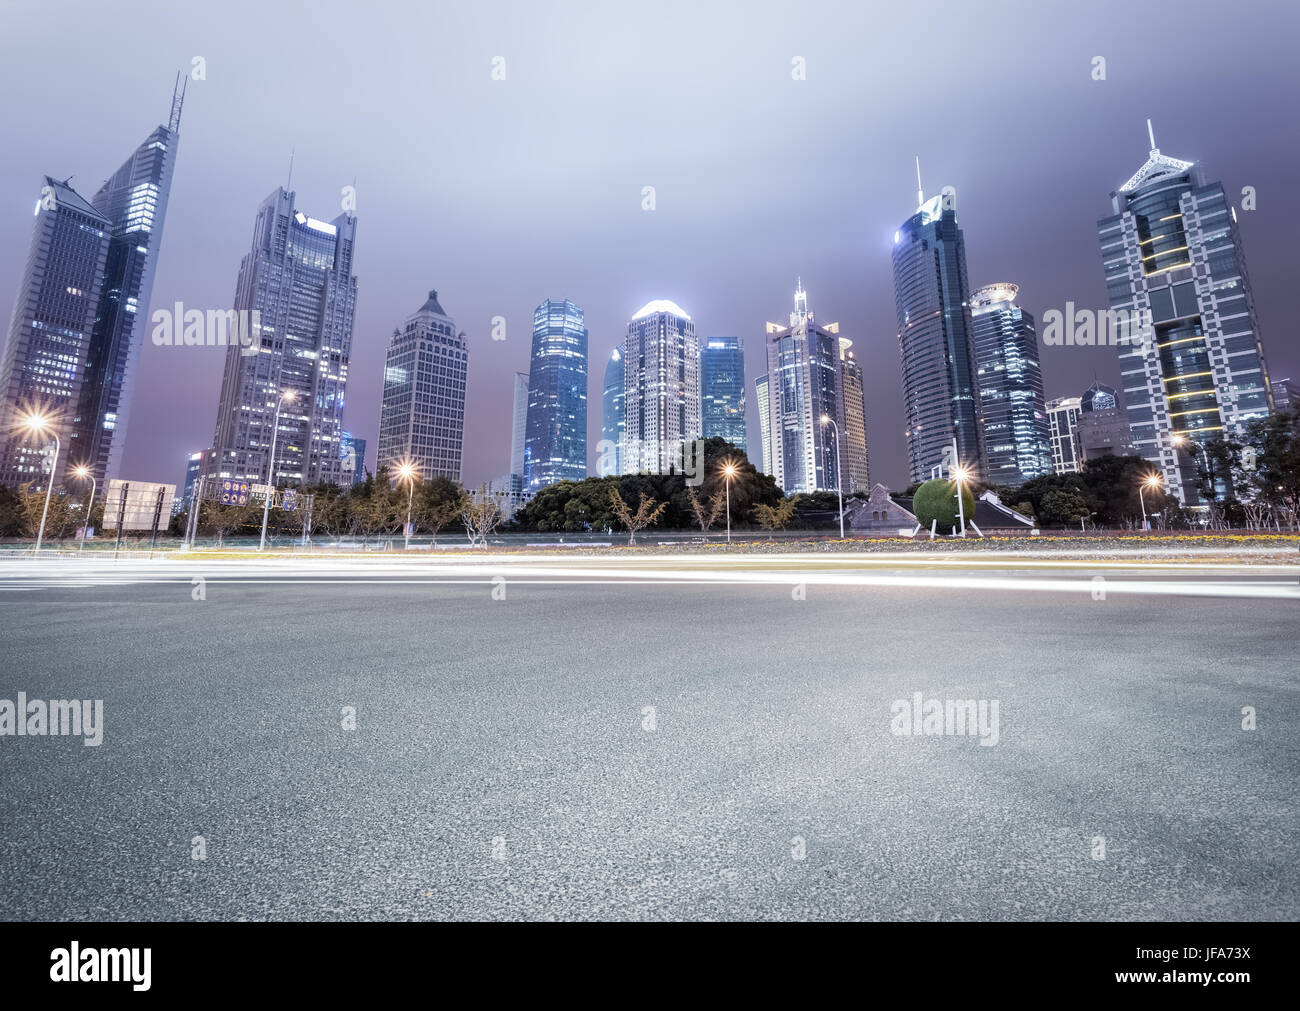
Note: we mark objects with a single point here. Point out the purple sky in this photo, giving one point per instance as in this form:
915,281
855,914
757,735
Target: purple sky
502,193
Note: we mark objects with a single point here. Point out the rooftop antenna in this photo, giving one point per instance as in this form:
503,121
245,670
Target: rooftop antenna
1152,134
178,101
920,192
289,185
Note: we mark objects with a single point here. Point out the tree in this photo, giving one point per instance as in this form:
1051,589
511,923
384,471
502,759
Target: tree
1062,507
439,502
776,517
648,511
224,519
706,511
60,518
935,502
481,515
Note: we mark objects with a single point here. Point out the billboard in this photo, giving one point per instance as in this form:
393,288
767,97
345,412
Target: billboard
232,492
136,502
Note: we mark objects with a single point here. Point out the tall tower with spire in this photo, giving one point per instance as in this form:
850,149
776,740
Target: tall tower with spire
1194,371
74,341
804,384
935,343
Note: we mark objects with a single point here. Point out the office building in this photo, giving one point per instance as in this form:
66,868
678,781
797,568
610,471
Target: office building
1009,381
352,452
519,424
856,469
1103,424
761,391
1195,369
661,388
422,419
611,416
555,442
722,390
1063,429
298,277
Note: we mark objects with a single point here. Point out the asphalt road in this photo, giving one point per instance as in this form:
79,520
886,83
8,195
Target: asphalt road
501,765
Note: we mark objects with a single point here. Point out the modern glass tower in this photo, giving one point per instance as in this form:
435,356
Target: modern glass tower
50,335
519,425
722,390
856,464
298,275
805,383
135,200
934,339
1197,372
352,451
1017,437
611,403
422,420
761,392
555,444
661,388
74,340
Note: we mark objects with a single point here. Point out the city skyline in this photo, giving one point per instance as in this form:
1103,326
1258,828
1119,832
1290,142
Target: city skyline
723,272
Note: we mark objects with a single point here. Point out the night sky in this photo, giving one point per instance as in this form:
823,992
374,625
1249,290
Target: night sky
500,194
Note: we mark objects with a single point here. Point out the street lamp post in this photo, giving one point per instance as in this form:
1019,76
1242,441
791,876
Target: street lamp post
407,471
39,423
839,482
270,465
959,474
728,472
1151,481
84,472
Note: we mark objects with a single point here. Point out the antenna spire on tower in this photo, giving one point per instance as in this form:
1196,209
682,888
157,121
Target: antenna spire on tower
289,185
1152,134
178,101
920,191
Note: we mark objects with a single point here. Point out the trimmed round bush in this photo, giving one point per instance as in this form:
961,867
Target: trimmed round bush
937,500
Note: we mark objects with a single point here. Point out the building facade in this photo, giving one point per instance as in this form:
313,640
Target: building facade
50,335
352,452
1009,380
661,388
519,424
722,390
1195,369
1103,424
805,383
762,389
422,419
555,444
298,276
1063,428
856,464
931,293
611,417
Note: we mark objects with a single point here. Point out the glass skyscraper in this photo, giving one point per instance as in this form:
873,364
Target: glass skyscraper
722,390
856,463
1017,437
611,417
1197,371
555,443
422,419
76,332
661,388
804,383
298,275
761,392
934,339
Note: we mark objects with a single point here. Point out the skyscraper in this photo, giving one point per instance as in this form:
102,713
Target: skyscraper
75,336
519,424
761,392
661,384
352,451
1103,424
805,384
298,275
135,199
722,390
1017,438
555,444
1063,428
856,462
50,335
611,419
1197,371
422,420
934,342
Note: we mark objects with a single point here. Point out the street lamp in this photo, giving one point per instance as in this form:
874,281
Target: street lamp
39,423
1152,481
960,474
408,471
270,465
84,472
839,485
728,472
